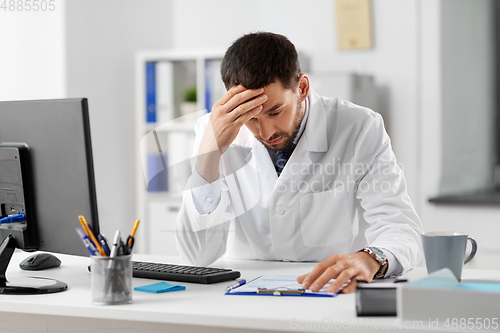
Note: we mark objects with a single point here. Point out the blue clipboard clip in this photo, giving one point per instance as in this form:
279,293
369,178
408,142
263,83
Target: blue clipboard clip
280,291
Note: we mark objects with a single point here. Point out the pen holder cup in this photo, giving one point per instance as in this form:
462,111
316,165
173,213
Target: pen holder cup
111,280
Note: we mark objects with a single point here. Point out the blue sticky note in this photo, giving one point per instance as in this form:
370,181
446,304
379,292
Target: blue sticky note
441,279
485,287
160,287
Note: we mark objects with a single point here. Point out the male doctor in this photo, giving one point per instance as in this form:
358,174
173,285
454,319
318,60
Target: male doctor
298,177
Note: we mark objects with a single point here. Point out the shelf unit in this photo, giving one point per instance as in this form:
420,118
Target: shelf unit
186,68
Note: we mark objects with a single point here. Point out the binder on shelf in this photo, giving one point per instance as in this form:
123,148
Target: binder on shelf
164,92
180,147
214,87
151,92
208,86
157,172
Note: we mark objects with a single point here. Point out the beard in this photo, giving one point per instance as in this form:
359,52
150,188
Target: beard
288,137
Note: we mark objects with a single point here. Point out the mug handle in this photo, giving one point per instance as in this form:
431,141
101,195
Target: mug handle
474,250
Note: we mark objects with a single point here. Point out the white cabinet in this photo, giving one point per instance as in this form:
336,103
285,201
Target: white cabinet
166,83
161,214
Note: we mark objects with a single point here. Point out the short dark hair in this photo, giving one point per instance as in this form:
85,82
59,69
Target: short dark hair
258,59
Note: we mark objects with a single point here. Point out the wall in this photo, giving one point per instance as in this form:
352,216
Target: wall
32,54
102,37
467,96
481,222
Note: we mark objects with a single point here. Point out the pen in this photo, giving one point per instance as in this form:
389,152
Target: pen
91,235
134,229
87,242
104,244
237,284
116,244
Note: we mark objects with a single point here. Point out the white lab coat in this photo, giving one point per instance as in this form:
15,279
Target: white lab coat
341,190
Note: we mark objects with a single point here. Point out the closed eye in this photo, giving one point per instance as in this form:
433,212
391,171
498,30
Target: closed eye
275,113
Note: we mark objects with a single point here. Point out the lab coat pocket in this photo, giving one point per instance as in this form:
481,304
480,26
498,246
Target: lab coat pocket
325,218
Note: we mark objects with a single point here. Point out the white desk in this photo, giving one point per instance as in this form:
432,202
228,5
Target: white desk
202,308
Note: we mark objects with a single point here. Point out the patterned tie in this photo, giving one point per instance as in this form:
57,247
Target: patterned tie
283,157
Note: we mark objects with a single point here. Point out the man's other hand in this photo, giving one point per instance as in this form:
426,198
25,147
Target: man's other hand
344,268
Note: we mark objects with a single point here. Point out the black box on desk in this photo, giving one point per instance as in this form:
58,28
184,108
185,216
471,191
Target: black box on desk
376,299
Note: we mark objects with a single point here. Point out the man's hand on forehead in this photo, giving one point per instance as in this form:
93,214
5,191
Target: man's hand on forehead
229,113
241,104
240,95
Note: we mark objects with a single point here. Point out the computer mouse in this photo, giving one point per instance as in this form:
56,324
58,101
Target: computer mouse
40,261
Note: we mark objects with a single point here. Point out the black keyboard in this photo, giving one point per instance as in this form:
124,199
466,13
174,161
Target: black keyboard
207,275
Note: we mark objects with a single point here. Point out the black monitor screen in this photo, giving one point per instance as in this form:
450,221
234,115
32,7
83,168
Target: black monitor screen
57,133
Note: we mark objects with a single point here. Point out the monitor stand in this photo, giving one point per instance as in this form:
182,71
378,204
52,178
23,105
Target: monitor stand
23,285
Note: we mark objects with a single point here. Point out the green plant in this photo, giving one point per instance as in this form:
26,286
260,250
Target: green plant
190,94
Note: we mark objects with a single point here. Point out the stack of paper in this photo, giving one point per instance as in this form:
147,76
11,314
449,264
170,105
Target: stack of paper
440,298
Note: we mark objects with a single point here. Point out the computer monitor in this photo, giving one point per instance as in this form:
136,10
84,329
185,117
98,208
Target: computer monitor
62,185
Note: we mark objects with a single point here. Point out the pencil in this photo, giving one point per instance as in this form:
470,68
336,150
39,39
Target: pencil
91,235
135,228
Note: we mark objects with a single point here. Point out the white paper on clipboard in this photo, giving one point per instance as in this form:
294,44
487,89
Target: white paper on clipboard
278,281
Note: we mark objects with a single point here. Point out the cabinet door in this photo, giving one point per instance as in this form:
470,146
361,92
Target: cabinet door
161,219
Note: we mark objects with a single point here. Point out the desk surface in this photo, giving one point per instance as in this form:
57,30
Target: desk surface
201,305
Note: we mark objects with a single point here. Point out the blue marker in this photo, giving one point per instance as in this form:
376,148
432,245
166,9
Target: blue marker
237,284
13,218
87,242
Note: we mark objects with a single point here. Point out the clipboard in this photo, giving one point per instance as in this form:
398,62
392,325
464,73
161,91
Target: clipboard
279,285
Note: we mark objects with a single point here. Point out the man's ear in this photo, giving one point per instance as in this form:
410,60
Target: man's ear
303,86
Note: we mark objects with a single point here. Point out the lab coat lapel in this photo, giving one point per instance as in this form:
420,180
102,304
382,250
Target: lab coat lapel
315,133
314,140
